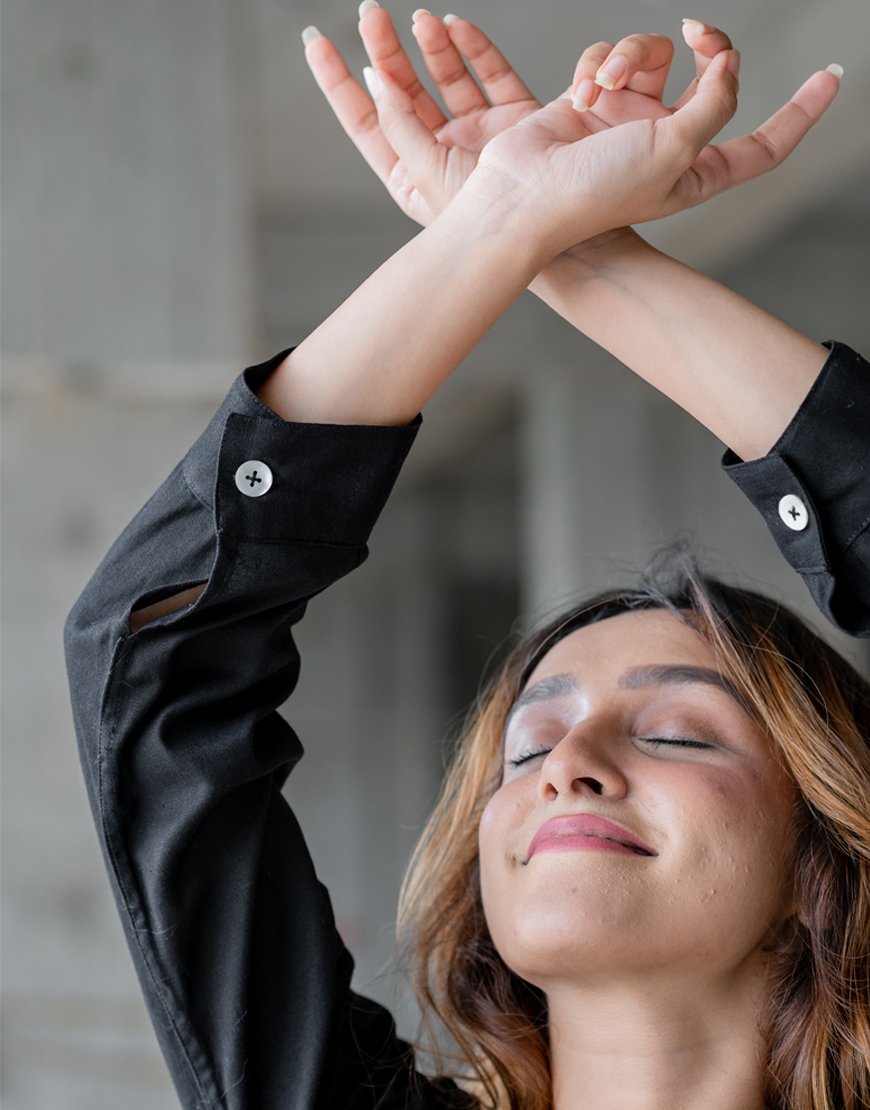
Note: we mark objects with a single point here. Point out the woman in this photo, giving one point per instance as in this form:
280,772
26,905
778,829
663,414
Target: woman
621,911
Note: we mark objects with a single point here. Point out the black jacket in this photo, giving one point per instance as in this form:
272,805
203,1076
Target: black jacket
184,753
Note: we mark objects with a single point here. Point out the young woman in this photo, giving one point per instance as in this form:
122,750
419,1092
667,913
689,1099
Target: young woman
646,884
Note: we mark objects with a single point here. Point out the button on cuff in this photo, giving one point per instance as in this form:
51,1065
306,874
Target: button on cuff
253,478
778,493
793,512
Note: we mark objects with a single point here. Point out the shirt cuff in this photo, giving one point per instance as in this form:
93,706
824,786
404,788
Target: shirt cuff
813,487
269,479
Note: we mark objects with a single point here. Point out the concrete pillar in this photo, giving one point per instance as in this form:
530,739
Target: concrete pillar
589,502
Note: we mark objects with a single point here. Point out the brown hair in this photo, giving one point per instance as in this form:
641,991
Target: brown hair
816,709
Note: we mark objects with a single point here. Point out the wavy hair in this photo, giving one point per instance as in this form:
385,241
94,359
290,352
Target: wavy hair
815,707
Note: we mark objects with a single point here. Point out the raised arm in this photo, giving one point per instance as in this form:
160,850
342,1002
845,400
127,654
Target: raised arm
675,328
180,649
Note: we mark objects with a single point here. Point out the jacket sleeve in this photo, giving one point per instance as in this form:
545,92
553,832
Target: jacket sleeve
184,756
813,489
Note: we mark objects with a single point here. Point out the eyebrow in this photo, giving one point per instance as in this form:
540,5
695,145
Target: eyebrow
680,675
638,678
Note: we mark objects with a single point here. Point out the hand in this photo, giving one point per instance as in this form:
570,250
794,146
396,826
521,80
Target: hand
438,173
571,176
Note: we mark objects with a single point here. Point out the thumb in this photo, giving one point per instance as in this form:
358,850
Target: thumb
702,117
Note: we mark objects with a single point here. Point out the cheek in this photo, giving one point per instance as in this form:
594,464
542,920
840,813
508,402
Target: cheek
499,851
501,816
740,858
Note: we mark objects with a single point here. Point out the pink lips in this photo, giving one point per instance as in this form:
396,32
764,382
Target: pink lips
571,831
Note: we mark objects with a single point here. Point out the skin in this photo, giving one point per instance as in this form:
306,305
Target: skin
675,328
654,967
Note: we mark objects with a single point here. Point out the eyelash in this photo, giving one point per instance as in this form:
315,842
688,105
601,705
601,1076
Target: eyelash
681,742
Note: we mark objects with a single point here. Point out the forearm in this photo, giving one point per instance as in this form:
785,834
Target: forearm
383,353
739,371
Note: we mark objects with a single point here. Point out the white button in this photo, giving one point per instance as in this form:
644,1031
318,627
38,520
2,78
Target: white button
793,512
254,478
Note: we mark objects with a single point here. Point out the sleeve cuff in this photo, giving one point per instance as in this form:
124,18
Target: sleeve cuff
270,479
813,487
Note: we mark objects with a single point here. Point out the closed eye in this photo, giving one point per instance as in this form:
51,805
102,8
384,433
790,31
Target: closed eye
679,741
521,759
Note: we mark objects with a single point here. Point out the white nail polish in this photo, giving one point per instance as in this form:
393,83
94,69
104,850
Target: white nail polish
837,70
418,13
449,18
367,5
310,34
371,79
695,25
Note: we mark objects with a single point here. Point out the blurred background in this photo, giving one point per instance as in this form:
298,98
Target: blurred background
179,202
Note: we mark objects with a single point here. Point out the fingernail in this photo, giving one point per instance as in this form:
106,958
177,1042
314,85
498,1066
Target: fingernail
373,82
310,34
734,62
695,25
583,96
610,73
418,13
448,19
367,5
836,69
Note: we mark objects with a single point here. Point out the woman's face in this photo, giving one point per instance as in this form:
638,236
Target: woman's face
629,721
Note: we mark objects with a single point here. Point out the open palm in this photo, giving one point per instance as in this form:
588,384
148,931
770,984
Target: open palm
423,166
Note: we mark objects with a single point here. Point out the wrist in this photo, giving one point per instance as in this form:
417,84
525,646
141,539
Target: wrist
595,260
490,207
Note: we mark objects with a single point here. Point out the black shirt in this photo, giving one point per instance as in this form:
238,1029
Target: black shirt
184,753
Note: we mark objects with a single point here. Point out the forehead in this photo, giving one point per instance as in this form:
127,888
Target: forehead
650,636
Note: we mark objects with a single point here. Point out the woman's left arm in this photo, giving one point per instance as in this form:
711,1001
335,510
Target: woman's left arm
797,412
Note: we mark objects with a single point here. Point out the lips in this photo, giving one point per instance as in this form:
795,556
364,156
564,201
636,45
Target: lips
586,824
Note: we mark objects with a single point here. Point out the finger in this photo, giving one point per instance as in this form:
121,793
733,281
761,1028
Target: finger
706,42
706,113
585,91
638,62
353,107
459,91
387,53
500,80
410,138
749,156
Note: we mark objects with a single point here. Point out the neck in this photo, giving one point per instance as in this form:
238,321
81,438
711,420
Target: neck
657,1045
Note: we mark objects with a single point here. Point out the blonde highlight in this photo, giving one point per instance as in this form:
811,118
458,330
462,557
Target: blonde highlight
816,709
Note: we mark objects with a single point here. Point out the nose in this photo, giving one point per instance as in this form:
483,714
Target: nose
584,761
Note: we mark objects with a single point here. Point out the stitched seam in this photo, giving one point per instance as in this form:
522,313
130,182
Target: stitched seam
290,542
187,482
859,531
114,677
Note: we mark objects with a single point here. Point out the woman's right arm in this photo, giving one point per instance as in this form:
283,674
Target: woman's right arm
180,651
183,750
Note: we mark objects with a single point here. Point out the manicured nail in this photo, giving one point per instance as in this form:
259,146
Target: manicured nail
695,25
418,13
610,73
837,70
734,63
373,82
366,6
450,18
583,96
310,34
